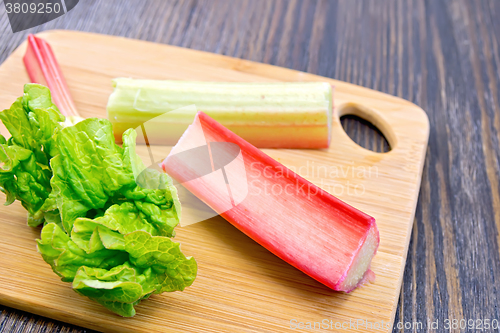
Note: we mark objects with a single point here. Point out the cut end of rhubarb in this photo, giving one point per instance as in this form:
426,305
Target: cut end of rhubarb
359,273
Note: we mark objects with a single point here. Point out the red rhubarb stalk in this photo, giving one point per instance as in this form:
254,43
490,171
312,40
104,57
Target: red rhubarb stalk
42,67
300,223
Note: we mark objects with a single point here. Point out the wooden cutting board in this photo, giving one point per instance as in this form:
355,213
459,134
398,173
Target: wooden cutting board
241,287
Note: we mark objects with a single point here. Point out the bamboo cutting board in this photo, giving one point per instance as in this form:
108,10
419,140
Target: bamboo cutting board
241,287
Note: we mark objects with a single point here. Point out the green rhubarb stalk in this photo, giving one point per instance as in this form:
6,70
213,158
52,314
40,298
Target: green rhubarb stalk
268,115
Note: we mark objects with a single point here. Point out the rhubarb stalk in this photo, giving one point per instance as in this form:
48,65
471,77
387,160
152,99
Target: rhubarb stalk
43,68
299,222
268,115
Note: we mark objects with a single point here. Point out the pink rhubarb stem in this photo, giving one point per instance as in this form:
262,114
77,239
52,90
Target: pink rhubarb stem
42,67
297,221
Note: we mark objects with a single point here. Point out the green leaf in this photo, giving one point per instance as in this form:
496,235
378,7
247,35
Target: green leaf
65,257
88,171
92,172
23,179
33,121
108,230
106,217
119,284
172,270
155,265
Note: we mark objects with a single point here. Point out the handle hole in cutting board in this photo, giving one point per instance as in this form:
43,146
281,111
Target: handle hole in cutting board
362,131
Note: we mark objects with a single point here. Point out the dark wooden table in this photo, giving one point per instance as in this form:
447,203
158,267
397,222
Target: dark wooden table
442,55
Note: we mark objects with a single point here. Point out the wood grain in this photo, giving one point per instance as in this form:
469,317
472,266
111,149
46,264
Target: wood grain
389,45
240,286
